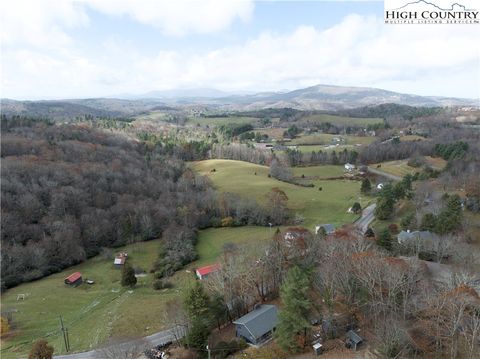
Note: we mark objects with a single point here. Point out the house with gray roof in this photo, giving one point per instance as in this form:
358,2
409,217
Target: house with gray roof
405,237
258,325
329,228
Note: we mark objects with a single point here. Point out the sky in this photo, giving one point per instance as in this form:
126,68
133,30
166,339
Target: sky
102,48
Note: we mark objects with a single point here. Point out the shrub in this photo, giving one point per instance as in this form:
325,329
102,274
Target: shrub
393,228
227,222
162,284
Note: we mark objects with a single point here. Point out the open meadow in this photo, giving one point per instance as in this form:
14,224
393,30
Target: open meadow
343,120
92,313
329,205
329,139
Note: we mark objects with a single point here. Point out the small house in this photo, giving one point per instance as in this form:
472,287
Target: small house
328,228
74,279
405,237
120,259
349,167
258,325
204,272
353,340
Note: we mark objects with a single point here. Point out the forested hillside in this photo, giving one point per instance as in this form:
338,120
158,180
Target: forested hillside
70,190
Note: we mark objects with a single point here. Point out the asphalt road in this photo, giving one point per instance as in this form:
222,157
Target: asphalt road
153,340
366,218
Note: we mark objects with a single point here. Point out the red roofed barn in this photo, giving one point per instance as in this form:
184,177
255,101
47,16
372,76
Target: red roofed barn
74,279
204,272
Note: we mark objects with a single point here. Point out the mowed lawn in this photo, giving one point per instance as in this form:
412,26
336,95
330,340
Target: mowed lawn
211,241
218,121
401,168
92,313
342,120
327,206
327,139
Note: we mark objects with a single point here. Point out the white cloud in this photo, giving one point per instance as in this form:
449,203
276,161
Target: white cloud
358,51
39,23
179,17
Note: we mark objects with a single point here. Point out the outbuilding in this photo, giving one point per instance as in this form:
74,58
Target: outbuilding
258,325
328,228
120,259
204,272
353,340
74,279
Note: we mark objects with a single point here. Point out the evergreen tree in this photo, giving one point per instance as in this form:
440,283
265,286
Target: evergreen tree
366,186
429,222
356,207
196,302
128,276
385,239
407,221
384,208
293,318
197,335
197,305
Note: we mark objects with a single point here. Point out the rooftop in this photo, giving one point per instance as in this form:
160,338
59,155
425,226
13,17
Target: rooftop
260,320
208,269
74,277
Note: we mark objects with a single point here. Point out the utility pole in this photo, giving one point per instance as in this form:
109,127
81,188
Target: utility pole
68,339
64,332
209,352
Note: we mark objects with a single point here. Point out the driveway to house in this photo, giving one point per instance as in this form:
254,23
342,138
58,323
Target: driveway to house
384,174
367,217
153,340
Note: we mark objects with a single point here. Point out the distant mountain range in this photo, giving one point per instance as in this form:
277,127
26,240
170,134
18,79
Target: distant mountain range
319,97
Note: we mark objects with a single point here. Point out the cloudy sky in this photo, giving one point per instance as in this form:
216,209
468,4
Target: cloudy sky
91,48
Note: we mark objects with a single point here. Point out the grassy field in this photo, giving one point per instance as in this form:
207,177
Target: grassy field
327,139
92,313
211,241
319,172
397,168
327,206
316,148
341,120
218,121
401,168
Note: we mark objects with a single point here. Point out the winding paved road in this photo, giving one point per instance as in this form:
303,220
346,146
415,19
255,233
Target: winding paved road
367,217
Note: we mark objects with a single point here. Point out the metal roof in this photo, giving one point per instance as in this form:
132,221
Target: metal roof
354,337
259,321
73,277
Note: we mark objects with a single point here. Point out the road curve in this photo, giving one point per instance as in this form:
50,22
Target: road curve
367,217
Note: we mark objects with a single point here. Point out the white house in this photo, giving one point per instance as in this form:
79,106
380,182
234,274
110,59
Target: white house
349,167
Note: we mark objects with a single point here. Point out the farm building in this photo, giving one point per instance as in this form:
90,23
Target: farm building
120,259
258,325
349,167
329,228
353,340
74,279
204,272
